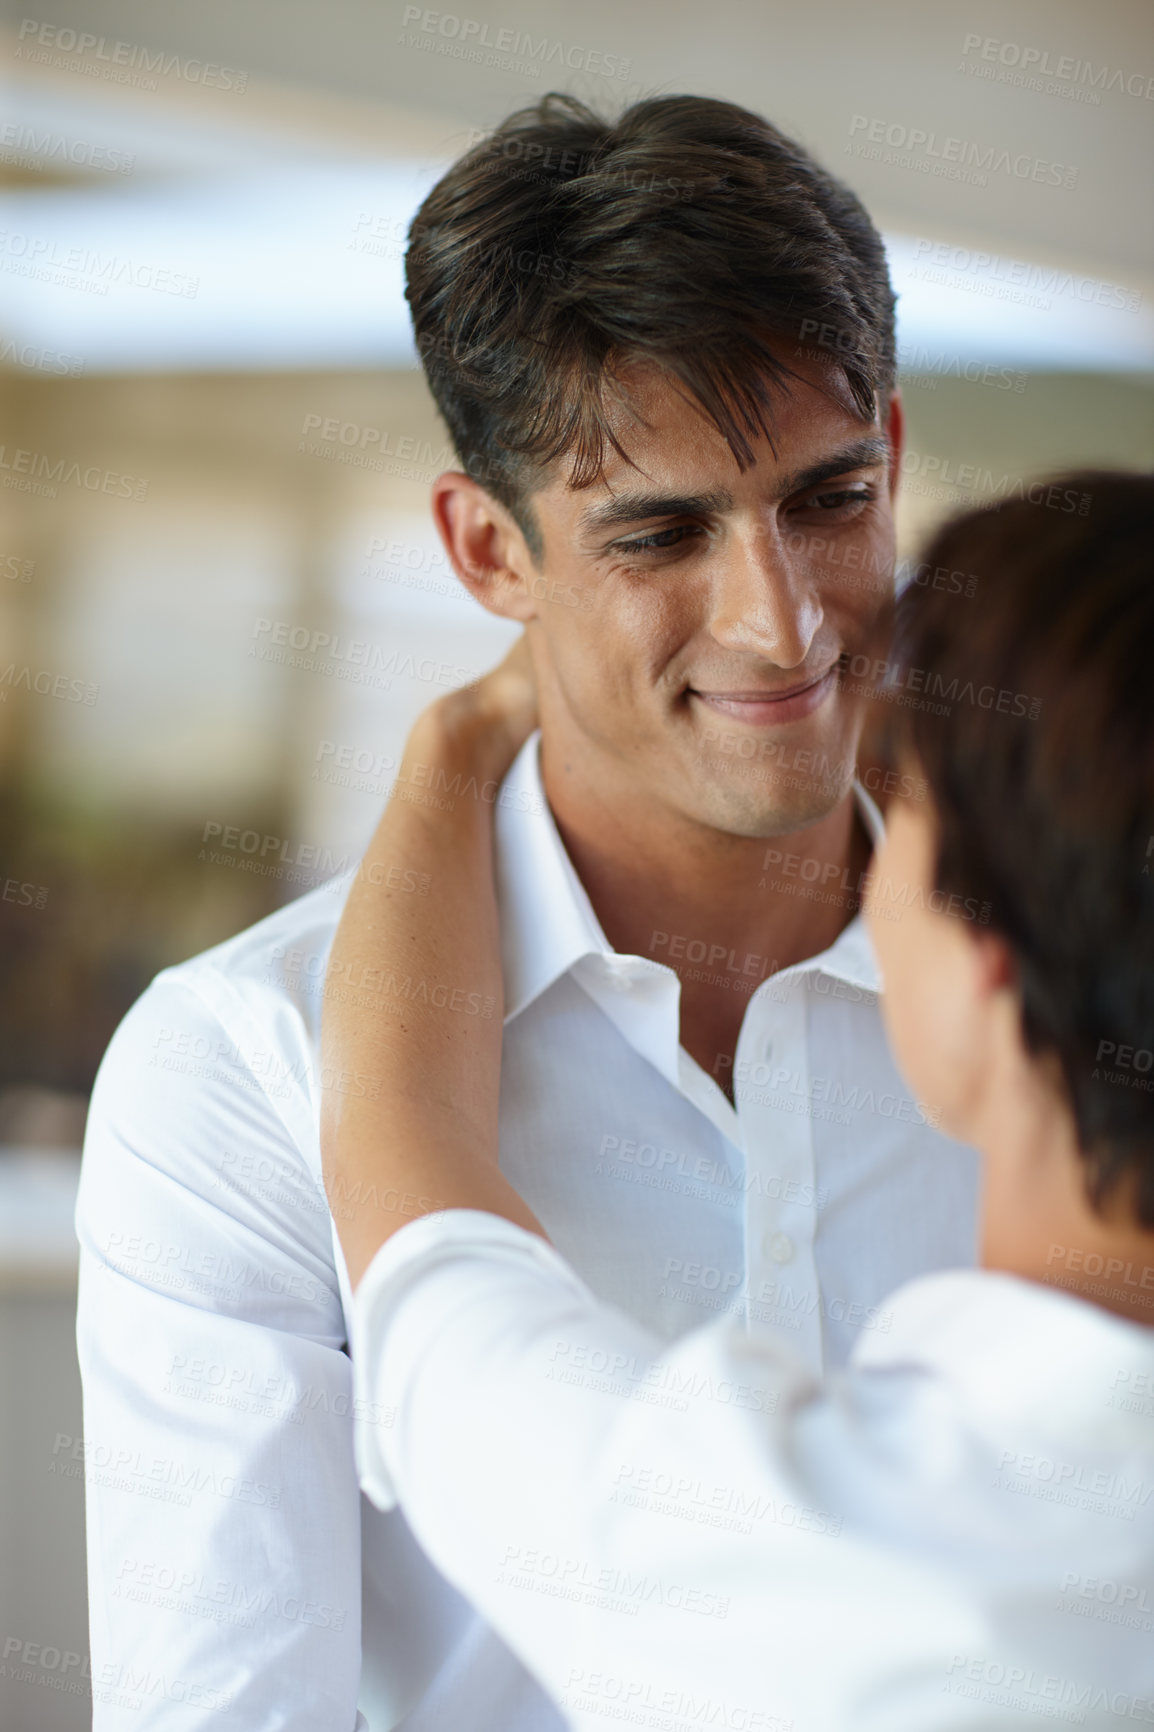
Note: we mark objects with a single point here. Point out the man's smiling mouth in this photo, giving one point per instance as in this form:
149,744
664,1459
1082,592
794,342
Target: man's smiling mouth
763,705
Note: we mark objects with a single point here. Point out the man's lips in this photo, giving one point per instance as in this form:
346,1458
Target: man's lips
756,708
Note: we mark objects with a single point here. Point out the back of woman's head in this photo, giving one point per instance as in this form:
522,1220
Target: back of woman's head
1026,693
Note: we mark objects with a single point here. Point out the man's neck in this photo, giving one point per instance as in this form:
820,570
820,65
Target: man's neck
723,911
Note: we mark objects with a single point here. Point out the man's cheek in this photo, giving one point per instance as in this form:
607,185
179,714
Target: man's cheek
592,594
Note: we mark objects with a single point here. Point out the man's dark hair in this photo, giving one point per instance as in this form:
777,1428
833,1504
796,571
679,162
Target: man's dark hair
689,233
1045,798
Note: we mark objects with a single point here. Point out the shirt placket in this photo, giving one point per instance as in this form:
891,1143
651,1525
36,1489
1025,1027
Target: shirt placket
772,1090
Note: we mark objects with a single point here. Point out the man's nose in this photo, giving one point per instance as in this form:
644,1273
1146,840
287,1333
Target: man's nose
764,601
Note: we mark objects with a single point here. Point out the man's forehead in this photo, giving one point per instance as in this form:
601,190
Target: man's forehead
669,441
641,392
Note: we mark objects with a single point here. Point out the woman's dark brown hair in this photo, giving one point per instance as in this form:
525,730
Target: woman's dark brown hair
689,233
1045,796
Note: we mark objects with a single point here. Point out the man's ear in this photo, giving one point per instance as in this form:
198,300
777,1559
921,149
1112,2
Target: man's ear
894,427
485,547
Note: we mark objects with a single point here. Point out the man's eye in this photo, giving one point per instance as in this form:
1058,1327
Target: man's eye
838,499
659,542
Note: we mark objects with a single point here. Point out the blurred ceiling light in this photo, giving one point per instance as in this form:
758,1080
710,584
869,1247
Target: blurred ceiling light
975,305
297,269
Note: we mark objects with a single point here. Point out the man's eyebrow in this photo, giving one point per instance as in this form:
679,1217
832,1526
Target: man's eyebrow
637,507
626,508
863,454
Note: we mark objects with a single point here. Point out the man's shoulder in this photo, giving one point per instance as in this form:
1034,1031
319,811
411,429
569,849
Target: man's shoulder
261,972
240,1021
202,1138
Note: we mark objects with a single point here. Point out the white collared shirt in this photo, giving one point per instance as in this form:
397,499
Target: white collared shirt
957,1532
229,1547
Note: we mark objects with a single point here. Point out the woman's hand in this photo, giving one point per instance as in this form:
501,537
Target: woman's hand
491,719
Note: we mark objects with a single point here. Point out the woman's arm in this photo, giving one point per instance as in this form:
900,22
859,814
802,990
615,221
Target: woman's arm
413,1004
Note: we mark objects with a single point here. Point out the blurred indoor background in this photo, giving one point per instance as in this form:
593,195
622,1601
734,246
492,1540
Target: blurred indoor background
215,449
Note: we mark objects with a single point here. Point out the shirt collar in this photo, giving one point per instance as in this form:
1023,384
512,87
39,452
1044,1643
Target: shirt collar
547,919
851,955
1012,1347
548,924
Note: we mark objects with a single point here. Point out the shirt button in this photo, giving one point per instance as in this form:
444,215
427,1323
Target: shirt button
781,1247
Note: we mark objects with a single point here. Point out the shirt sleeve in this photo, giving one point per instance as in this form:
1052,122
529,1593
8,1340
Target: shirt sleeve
600,1496
666,1535
222,1501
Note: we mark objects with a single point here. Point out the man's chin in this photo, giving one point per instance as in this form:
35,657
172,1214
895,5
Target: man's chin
767,803
754,784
